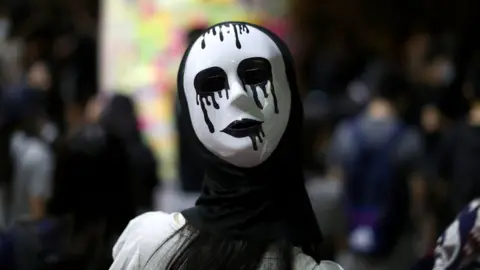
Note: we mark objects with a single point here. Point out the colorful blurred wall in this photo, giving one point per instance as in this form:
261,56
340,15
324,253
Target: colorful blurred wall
142,42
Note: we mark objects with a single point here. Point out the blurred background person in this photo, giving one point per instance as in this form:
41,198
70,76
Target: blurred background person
32,161
119,118
92,189
378,159
458,159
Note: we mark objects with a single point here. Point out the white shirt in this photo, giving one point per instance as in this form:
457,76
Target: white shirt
33,167
146,233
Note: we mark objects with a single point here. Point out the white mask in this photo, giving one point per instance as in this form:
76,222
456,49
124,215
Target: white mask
237,93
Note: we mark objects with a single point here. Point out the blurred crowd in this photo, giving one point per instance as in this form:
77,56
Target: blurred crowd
397,133
393,136
74,168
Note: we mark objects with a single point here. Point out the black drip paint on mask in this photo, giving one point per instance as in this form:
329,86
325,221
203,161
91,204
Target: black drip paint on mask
263,86
209,99
258,135
238,29
204,100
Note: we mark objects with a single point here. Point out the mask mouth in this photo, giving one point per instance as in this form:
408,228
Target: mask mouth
243,128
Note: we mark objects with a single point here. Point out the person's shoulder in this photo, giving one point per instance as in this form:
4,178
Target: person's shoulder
303,261
151,229
154,220
142,237
328,265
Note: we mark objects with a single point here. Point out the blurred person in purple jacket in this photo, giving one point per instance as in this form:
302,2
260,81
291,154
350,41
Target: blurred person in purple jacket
377,145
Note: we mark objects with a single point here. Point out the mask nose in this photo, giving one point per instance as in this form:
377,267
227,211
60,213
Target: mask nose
239,97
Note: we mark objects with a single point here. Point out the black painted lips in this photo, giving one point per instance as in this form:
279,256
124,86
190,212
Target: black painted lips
243,128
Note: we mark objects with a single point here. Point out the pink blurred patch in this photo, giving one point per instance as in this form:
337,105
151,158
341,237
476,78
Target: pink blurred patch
177,43
278,26
161,87
162,61
147,8
142,123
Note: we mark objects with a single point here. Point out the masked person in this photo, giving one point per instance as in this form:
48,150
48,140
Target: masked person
238,94
458,247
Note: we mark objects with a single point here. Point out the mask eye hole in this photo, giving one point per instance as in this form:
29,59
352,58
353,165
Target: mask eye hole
211,80
213,84
255,76
254,71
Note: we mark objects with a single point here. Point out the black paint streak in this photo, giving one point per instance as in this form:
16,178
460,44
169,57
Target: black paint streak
255,96
259,134
238,29
263,87
209,99
274,95
257,72
207,83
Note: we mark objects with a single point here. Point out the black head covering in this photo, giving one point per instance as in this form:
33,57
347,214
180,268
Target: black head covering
120,118
266,202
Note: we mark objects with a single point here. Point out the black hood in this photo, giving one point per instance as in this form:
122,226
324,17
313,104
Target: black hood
120,119
267,202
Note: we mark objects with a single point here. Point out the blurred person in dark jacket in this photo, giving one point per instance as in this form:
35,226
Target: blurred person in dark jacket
429,64
74,59
120,119
431,72
102,174
37,77
92,187
458,154
436,100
